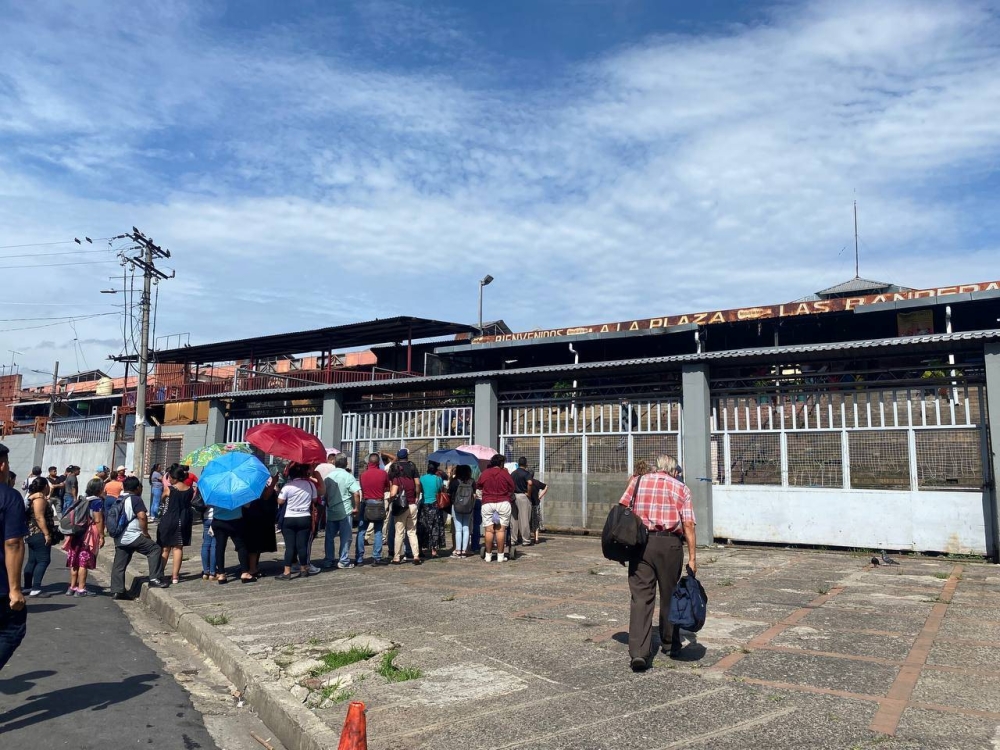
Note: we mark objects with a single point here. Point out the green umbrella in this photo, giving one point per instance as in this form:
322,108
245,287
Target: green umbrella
203,456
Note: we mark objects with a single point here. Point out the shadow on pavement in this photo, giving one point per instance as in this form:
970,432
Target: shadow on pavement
34,608
95,696
23,682
690,651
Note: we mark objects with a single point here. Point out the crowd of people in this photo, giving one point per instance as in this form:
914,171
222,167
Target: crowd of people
397,510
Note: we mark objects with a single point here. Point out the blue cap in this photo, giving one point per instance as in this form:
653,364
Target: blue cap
403,454
101,468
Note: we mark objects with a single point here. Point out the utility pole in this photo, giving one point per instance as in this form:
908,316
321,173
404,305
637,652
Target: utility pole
149,253
55,389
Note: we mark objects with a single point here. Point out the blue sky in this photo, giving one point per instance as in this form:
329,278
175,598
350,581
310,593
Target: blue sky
316,163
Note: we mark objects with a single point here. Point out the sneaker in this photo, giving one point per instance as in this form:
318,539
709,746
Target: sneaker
638,664
156,583
313,570
122,597
283,577
359,562
35,592
489,557
85,593
70,592
502,558
345,566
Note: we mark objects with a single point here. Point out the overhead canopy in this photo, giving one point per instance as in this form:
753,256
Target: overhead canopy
334,338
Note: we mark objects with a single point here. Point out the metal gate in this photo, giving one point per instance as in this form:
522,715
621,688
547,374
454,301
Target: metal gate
236,429
586,453
899,468
420,431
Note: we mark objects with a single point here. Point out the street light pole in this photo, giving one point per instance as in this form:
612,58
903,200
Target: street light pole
485,281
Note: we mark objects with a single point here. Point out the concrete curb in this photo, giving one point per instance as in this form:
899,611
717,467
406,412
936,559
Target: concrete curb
296,726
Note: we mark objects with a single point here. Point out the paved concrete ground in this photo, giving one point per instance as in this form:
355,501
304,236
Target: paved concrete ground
802,649
89,676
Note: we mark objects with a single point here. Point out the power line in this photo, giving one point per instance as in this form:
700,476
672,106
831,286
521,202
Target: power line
57,265
53,317
60,323
60,242
50,255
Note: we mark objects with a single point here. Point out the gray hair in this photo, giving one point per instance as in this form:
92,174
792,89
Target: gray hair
666,463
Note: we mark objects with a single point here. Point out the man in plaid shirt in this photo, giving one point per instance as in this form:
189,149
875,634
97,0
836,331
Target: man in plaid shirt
663,504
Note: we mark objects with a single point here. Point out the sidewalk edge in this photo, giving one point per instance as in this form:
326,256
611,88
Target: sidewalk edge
296,726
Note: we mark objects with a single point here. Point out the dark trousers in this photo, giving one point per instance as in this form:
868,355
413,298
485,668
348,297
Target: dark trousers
39,557
13,626
123,556
223,532
660,567
295,532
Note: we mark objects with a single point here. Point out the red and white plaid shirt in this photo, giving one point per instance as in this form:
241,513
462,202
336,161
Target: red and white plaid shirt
662,502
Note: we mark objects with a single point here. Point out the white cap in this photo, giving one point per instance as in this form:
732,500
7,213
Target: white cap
120,468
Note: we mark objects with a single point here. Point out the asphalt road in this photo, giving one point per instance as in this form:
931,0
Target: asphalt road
82,679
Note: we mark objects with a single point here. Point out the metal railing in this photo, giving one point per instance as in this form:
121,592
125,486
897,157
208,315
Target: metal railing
86,430
236,429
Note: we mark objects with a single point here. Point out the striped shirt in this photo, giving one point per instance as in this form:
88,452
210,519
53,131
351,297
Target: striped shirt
662,502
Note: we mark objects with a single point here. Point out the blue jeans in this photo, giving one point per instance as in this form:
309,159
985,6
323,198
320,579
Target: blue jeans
13,626
463,530
360,546
342,528
39,557
207,549
157,490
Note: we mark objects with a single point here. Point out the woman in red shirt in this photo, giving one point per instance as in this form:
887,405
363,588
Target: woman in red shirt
497,487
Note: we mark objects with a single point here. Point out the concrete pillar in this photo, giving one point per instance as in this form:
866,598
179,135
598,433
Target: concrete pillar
485,415
216,432
991,501
39,452
332,431
697,447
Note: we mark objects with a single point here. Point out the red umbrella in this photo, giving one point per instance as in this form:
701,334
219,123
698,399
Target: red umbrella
285,441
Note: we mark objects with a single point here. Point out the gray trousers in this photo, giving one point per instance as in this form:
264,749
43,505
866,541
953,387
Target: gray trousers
660,567
123,556
521,526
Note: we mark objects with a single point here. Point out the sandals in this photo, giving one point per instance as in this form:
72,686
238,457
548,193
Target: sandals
248,579
221,580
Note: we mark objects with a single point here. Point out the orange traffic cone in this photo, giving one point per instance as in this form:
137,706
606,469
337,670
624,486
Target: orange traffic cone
355,734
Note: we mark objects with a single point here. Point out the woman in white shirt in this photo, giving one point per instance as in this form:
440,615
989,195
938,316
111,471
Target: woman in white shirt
296,499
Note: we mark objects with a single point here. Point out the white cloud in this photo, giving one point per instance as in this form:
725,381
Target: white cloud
300,186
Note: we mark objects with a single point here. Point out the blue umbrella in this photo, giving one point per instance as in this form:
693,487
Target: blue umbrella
453,458
232,480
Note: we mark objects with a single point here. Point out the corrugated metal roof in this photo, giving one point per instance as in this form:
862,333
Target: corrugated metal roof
333,338
857,284
733,354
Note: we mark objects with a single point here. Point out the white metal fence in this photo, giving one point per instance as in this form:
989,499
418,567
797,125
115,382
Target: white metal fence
893,439
420,431
84,430
236,429
586,453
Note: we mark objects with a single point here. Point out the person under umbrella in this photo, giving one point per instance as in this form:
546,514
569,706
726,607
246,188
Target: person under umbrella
227,484
297,522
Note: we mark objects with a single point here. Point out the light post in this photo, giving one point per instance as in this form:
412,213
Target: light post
485,281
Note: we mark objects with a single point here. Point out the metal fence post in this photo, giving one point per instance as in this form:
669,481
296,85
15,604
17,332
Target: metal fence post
583,467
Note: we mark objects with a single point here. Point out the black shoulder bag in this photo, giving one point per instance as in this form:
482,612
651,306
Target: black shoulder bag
624,535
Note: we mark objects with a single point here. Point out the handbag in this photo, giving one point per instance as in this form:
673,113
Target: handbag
399,502
443,501
375,511
624,536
